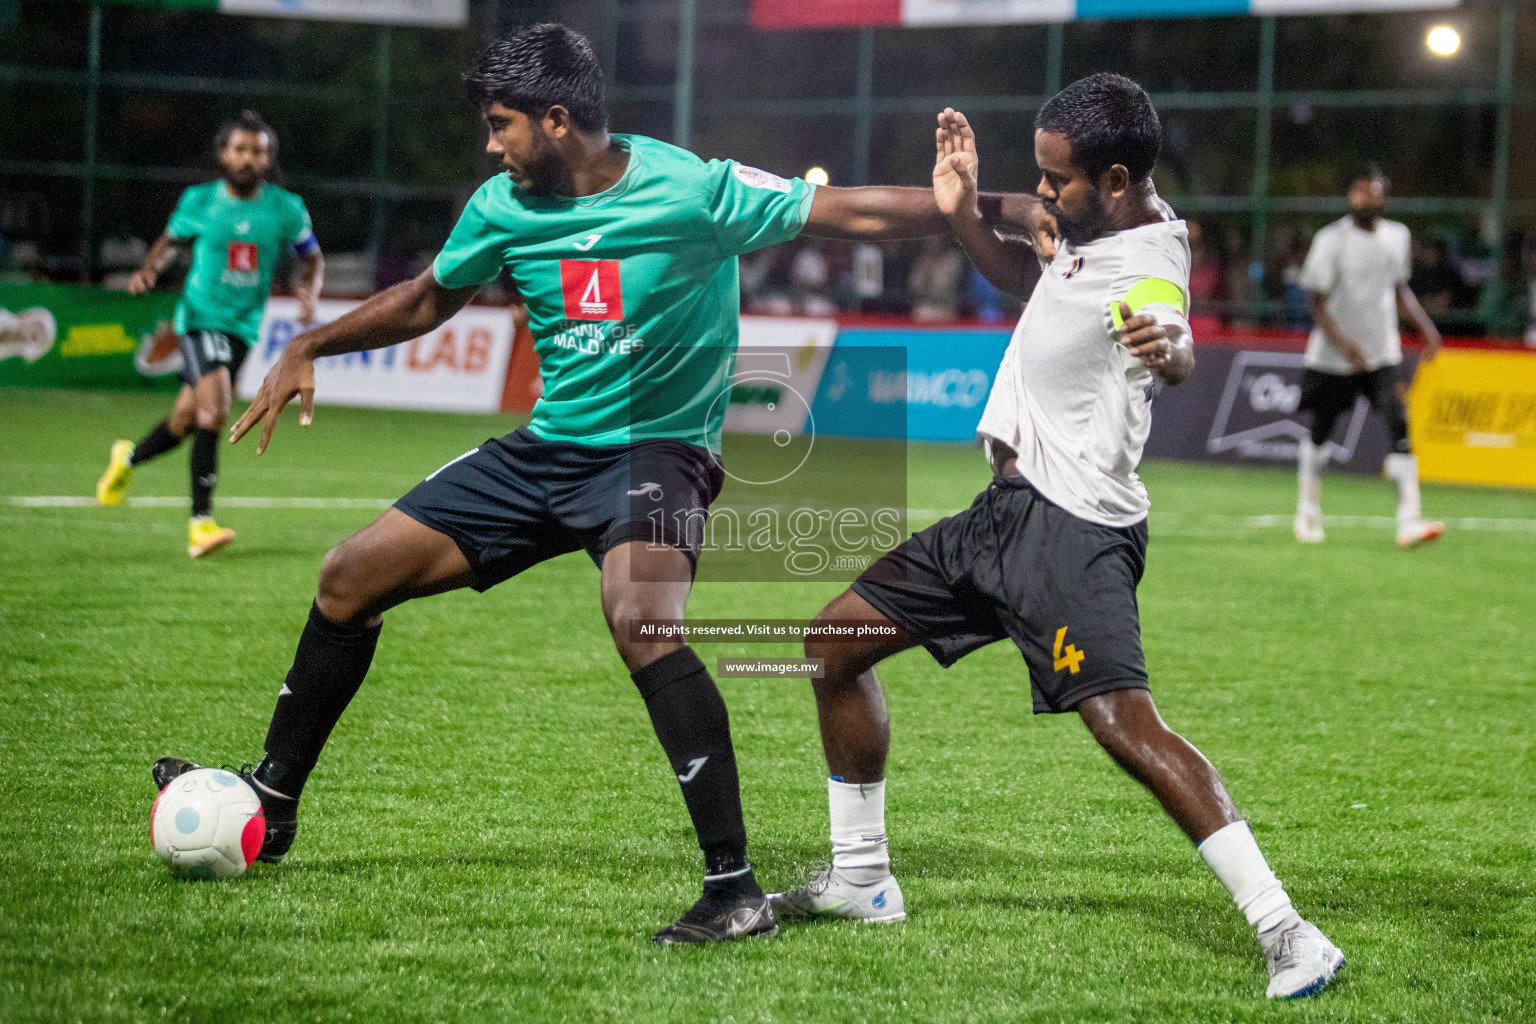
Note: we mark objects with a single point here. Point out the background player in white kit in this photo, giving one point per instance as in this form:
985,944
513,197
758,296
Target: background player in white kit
1356,277
1050,554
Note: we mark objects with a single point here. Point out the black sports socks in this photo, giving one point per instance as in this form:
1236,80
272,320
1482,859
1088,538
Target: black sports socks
694,728
328,668
205,469
157,442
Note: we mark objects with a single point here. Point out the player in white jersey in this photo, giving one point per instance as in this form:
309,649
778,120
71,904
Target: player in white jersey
1356,277
1050,554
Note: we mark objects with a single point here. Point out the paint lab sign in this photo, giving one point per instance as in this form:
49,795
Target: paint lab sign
460,367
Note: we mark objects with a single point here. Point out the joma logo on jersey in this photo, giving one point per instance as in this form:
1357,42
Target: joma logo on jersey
591,289
242,256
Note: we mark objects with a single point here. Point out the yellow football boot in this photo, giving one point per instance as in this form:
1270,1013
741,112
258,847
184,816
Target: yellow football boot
114,482
204,536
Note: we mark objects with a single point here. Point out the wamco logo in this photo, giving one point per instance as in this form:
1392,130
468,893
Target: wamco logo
946,389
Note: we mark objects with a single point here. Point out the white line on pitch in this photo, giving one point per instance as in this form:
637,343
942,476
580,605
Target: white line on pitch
1505,525
82,501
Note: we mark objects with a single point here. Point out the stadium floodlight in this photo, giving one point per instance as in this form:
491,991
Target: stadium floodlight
1443,41
817,176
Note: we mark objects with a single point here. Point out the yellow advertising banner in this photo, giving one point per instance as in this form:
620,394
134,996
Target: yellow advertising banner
1472,414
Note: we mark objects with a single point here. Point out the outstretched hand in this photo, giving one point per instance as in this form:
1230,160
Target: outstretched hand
292,375
955,165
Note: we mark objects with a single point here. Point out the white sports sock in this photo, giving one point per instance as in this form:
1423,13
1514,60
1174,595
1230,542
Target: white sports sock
1404,469
860,850
1235,857
1309,478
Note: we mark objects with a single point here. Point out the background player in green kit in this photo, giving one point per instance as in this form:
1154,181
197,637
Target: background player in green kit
236,228
625,251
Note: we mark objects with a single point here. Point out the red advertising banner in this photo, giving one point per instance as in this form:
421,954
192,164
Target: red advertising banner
824,13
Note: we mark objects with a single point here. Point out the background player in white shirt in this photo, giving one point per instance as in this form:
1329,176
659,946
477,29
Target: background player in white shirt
1356,277
1050,554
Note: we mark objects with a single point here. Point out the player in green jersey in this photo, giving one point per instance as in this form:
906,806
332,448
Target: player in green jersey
236,228
625,251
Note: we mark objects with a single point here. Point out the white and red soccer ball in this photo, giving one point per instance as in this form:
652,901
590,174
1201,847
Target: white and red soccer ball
207,823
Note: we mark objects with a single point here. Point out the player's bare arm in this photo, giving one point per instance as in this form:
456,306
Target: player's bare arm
1317,305
408,310
311,280
1408,305
878,212
1008,263
1165,349
160,256
873,213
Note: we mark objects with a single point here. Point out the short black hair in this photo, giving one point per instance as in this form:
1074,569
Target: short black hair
245,121
1109,120
539,67
1370,171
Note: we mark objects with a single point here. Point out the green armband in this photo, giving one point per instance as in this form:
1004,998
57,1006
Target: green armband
1147,291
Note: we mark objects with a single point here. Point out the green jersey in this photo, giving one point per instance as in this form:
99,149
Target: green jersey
235,247
633,294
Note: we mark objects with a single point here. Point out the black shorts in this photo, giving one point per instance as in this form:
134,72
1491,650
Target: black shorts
203,352
1015,566
518,500
1333,394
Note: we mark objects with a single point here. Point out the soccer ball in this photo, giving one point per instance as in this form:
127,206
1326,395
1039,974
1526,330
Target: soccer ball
208,823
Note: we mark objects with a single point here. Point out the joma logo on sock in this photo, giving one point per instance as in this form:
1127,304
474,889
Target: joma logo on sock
693,769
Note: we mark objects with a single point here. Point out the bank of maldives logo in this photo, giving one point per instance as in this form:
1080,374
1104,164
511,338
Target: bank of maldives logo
591,289
242,256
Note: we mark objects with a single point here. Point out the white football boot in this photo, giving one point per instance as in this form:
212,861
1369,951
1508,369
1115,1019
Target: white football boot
1301,960
1309,528
1418,531
830,894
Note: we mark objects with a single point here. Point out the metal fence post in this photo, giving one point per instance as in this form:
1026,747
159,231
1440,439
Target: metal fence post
682,86
379,171
1506,94
1055,44
864,105
1263,111
92,115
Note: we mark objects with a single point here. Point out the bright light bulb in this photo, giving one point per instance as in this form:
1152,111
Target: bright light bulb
817,176
1443,40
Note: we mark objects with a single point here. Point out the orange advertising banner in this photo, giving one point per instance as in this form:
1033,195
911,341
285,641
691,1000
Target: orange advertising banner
1472,415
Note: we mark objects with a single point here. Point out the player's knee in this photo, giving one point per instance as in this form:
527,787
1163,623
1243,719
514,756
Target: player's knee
1123,735
817,644
342,592
211,419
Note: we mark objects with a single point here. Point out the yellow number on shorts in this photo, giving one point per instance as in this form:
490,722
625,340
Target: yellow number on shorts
1068,659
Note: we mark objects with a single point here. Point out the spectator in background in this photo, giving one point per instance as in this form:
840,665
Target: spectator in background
1290,251
119,258
1505,305
867,278
810,279
992,305
1237,270
765,282
1435,281
935,280
1206,285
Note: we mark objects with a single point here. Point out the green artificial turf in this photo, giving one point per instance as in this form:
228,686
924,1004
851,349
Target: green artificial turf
493,833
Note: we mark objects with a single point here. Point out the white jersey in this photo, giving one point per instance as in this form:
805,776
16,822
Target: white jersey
1069,398
1359,271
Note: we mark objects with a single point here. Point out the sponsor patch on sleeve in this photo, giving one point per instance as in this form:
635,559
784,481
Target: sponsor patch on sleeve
754,178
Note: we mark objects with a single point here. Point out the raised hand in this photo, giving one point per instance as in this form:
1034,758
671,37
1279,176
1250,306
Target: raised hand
955,164
141,281
292,375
